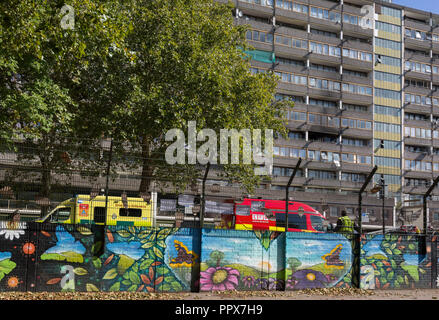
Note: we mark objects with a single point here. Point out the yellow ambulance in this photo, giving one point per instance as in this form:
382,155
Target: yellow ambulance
83,210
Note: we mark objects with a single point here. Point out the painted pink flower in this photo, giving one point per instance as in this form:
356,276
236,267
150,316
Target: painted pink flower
219,278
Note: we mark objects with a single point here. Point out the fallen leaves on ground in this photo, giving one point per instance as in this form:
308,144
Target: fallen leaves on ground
182,295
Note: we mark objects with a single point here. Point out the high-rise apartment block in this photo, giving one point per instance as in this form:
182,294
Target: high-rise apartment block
364,76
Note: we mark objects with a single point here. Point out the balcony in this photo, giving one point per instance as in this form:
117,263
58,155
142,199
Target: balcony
418,75
357,65
418,57
416,44
417,90
353,98
357,31
417,108
417,141
417,25
290,88
292,17
289,52
255,9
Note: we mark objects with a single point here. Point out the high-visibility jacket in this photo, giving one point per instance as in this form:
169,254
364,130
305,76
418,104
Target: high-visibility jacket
347,224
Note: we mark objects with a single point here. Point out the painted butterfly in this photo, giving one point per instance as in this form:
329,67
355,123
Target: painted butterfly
333,258
184,256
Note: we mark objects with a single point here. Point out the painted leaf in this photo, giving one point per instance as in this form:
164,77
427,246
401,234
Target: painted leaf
124,263
80,271
111,274
123,233
151,273
132,288
91,287
108,260
147,245
150,289
140,288
132,230
157,263
126,282
145,279
45,233
97,263
115,287
158,280
161,244
84,231
145,264
134,277
176,286
110,236
158,253
53,281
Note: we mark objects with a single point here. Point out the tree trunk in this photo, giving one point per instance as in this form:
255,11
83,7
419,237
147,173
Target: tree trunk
147,168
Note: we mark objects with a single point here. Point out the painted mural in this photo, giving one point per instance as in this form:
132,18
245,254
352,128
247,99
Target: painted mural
35,257
257,261
393,261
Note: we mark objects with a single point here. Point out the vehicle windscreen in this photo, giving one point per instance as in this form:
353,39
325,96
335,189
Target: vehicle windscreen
317,222
295,221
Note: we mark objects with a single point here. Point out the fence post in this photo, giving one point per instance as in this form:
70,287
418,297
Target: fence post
433,253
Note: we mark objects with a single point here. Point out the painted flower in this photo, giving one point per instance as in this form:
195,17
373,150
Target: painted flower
219,278
291,283
309,279
248,281
262,283
12,229
275,284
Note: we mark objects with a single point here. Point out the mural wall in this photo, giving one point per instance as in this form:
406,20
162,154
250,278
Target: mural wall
36,257
394,261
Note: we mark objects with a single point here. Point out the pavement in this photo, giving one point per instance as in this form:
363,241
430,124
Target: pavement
310,294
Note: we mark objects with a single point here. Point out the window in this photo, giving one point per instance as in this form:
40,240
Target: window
358,55
388,44
324,33
387,162
320,67
61,214
388,111
390,61
296,63
322,175
388,144
355,73
357,89
389,77
348,18
387,127
325,49
130,212
333,211
99,214
387,94
316,222
324,84
396,13
323,103
387,27
353,107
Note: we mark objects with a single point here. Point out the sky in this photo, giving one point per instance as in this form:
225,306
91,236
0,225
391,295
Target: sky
426,5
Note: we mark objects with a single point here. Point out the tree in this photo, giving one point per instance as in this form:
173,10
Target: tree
294,263
53,77
190,66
